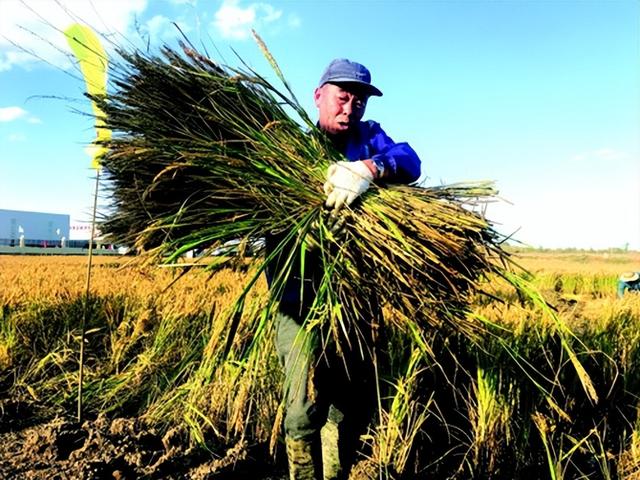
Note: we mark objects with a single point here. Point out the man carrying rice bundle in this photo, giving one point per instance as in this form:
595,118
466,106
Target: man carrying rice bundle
330,396
203,153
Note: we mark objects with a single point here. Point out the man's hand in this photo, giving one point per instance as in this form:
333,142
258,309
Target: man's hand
345,182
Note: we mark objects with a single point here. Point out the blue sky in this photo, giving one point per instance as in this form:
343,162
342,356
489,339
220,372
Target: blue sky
542,97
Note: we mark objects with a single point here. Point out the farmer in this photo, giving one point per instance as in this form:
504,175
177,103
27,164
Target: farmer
629,281
330,398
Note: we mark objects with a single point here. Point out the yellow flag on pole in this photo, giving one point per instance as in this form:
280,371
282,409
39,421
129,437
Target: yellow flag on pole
93,64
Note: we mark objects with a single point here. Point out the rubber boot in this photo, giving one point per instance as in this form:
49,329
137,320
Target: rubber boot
331,466
303,457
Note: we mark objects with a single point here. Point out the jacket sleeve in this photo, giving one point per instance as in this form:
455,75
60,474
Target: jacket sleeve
399,159
622,286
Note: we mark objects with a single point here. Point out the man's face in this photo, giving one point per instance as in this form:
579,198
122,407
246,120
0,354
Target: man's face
340,107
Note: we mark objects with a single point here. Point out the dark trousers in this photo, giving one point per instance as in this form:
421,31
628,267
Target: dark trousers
322,384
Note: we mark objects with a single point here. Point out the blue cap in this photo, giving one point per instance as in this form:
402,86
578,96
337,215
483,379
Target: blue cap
342,70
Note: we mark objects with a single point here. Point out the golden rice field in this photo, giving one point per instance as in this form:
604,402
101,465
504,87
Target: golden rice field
515,405
559,261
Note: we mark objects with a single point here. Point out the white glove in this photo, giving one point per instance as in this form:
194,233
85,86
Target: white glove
345,182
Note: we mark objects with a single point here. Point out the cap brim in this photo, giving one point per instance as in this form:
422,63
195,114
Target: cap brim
630,276
366,87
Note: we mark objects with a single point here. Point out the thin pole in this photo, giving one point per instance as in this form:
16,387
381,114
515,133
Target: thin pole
85,308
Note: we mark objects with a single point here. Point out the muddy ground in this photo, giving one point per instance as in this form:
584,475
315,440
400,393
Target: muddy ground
35,445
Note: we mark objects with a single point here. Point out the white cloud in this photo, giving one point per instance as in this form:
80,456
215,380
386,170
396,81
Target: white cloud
157,25
22,23
294,21
235,22
17,137
161,28
8,114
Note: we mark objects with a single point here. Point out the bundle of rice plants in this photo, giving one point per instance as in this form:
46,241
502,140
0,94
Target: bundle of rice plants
204,153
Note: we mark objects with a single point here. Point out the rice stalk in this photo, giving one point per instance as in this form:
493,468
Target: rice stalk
490,413
400,422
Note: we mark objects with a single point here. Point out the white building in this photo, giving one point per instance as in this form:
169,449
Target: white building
36,228
81,231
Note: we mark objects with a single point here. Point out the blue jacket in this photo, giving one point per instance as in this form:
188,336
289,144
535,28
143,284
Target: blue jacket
367,141
370,141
